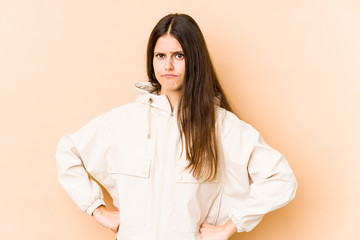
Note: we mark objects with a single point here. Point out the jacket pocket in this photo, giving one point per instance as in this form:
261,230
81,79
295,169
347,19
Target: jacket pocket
130,176
193,200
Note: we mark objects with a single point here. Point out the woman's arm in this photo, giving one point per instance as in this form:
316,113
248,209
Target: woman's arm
76,154
271,181
73,177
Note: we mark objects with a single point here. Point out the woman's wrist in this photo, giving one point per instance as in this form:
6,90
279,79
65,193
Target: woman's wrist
100,209
230,227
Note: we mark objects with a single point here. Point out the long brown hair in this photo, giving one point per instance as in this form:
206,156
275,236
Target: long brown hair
196,108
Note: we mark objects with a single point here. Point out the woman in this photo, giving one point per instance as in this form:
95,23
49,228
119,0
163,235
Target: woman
177,163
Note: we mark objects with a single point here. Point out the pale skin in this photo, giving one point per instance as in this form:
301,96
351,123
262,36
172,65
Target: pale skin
169,67
107,218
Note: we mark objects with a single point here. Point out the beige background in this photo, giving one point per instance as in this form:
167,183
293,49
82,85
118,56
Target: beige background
290,69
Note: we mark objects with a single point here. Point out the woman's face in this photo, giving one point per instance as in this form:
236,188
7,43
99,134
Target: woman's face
169,64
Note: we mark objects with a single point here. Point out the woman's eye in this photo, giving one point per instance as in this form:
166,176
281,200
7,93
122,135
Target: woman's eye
159,55
179,56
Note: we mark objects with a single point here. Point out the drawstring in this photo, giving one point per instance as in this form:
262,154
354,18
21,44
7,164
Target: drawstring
148,118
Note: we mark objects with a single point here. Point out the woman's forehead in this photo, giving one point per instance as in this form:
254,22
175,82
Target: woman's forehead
167,43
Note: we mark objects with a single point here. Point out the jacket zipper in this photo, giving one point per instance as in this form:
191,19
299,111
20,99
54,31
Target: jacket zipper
158,212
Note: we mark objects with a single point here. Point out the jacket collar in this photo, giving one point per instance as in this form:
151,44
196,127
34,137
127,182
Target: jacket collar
143,95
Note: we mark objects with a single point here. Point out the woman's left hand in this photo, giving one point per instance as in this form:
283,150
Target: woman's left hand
211,232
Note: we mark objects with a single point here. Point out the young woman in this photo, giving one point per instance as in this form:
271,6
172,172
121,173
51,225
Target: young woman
177,162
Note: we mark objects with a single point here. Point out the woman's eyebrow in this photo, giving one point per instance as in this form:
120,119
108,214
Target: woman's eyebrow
170,51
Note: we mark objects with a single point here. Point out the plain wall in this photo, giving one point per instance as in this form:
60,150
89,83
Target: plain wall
290,69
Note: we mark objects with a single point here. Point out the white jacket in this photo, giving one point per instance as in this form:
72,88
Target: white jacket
133,151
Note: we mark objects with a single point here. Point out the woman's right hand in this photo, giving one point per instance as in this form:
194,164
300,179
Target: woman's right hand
109,219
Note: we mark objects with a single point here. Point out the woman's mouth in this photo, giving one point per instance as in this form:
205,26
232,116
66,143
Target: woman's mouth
169,75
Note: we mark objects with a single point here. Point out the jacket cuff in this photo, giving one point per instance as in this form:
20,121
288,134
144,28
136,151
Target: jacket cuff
94,206
236,223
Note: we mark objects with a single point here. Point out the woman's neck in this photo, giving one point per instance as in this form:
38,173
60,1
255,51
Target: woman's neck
173,97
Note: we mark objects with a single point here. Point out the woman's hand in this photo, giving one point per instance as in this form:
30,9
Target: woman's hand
109,219
211,232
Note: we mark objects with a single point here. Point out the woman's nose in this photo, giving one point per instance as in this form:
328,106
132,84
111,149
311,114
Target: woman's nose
169,64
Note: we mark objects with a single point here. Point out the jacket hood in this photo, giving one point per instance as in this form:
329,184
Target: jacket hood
144,95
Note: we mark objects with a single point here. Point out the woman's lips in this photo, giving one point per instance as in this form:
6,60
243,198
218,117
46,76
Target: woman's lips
169,75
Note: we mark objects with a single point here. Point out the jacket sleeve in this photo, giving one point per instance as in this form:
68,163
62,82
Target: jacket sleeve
271,182
74,153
